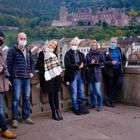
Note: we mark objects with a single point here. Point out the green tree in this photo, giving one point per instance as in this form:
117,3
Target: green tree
132,14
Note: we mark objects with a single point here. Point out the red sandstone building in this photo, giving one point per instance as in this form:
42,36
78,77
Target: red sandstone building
87,17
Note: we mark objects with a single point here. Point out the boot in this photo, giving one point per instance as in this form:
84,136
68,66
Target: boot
55,116
113,103
59,114
108,102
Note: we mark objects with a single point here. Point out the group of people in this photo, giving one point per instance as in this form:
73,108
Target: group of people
20,67
109,63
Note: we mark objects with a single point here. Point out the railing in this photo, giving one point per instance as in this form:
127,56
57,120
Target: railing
133,63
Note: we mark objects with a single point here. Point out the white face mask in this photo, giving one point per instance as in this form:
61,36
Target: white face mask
74,48
22,42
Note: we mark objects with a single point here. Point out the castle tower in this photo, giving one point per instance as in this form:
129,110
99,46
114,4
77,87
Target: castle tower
64,13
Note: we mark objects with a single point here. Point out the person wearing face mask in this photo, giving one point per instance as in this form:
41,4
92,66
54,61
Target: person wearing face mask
74,64
4,86
21,68
95,60
50,76
115,62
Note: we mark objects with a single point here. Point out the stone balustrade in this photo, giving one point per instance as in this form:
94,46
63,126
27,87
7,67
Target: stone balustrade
130,94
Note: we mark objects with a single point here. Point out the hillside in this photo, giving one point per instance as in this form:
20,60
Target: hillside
35,16
49,9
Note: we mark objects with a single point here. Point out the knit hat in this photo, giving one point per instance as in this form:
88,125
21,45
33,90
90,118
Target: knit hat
1,34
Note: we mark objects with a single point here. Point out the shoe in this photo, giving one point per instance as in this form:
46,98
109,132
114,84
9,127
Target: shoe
14,123
55,116
59,114
77,112
99,108
113,103
28,121
8,134
108,103
91,106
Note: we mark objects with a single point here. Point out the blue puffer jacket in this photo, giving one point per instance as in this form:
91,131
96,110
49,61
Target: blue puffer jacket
18,66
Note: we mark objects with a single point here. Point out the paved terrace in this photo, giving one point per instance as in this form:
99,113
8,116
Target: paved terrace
120,123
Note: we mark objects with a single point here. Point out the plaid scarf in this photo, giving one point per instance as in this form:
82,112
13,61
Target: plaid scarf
51,65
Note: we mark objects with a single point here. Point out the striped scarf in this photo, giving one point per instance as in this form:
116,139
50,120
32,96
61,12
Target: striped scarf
51,65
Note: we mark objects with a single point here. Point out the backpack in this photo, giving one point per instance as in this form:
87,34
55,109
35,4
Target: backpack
83,108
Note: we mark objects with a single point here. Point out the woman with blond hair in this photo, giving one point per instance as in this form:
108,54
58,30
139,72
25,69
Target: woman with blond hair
95,60
50,76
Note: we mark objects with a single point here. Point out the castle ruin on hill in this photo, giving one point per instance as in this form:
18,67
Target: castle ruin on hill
89,18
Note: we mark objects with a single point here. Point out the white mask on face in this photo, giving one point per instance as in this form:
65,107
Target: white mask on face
22,42
74,48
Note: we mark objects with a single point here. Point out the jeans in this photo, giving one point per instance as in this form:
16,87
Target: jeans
77,90
115,83
3,123
95,90
21,85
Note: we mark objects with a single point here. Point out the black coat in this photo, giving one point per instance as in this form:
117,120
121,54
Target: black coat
108,69
71,66
47,86
94,70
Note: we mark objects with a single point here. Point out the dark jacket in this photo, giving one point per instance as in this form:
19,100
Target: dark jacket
108,69
4,84
94,70
18,66
71,66
47,86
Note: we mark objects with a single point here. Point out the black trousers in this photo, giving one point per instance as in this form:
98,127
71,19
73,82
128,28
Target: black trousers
54,100
52,87
114,84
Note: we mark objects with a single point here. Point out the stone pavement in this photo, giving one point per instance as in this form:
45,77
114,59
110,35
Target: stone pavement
120,123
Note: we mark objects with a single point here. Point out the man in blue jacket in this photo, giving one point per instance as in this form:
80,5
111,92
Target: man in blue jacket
21,68
115,62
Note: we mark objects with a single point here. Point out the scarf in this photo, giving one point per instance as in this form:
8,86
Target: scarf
51,65
93,51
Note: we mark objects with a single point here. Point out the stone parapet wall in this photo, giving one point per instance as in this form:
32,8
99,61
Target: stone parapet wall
39,100
130,94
